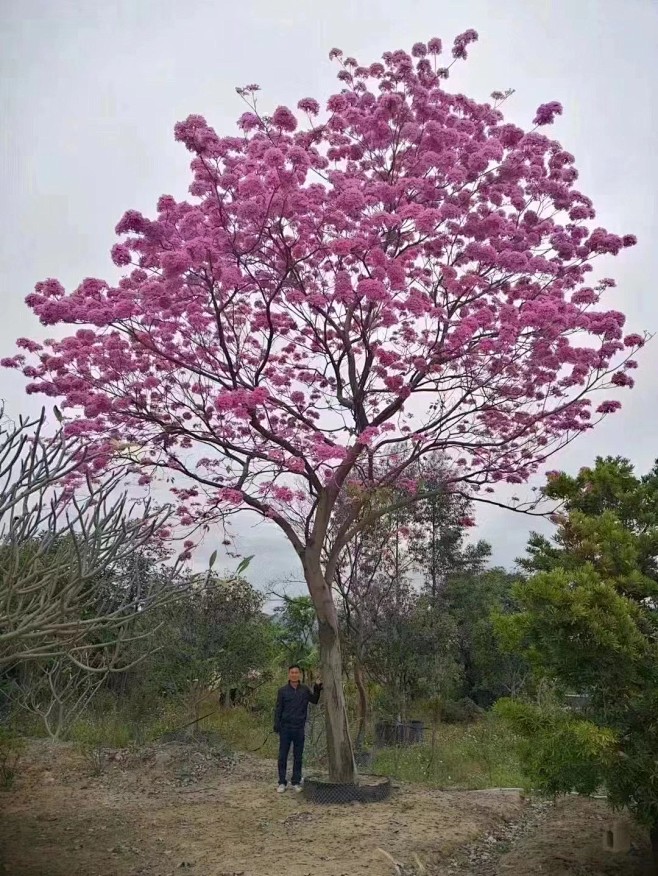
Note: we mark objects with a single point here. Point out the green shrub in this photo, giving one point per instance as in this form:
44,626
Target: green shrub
559,750
94,756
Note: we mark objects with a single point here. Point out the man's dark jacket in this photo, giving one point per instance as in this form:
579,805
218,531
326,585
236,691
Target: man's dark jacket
292,706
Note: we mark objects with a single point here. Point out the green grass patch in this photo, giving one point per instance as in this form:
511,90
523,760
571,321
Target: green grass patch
471,756
482,755
108,730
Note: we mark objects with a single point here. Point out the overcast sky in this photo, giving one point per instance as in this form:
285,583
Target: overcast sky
91,91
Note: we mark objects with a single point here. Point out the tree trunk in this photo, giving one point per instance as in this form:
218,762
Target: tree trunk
435,585
340,752
363,704
653,835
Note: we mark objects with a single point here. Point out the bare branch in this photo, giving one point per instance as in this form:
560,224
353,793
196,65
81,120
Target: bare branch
59,546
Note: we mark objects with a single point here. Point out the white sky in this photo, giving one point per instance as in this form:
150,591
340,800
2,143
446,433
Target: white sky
90,92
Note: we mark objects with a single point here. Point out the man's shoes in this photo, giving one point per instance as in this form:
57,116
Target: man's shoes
297,788
281,789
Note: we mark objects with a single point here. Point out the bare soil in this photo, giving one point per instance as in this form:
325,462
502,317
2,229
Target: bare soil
178,809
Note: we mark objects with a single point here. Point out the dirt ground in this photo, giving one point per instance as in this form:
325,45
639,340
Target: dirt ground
181,810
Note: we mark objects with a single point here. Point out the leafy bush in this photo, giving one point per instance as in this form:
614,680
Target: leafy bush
561,752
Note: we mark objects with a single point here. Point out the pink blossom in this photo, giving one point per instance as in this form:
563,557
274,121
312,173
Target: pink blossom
372,290
352,201
368,435
260,395
132,221
337,103
546,113
620,378
394,383
584,296
29,345
608,407
121,255
166,203
50,288
249,122
309,105
231,497
462,41
175,262
282,494
466,521
283,118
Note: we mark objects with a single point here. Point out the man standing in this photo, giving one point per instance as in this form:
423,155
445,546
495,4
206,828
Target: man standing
289,722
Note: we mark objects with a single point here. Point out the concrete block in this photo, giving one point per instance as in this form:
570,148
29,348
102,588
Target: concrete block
617,837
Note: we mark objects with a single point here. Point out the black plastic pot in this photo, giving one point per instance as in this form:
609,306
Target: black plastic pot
370,789
385,734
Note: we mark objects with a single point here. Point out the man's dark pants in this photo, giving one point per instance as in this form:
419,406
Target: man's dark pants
291,736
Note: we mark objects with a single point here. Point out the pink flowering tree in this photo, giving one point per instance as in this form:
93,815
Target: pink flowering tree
344,293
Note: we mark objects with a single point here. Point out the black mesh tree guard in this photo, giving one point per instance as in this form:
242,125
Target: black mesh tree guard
367,789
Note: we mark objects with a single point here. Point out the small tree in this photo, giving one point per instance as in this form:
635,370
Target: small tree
57,691
473,599
216,636
296,631
589,624
58,547
415,654
437,543
340,298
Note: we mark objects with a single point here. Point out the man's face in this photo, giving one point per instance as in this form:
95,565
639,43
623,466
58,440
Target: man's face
294,675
